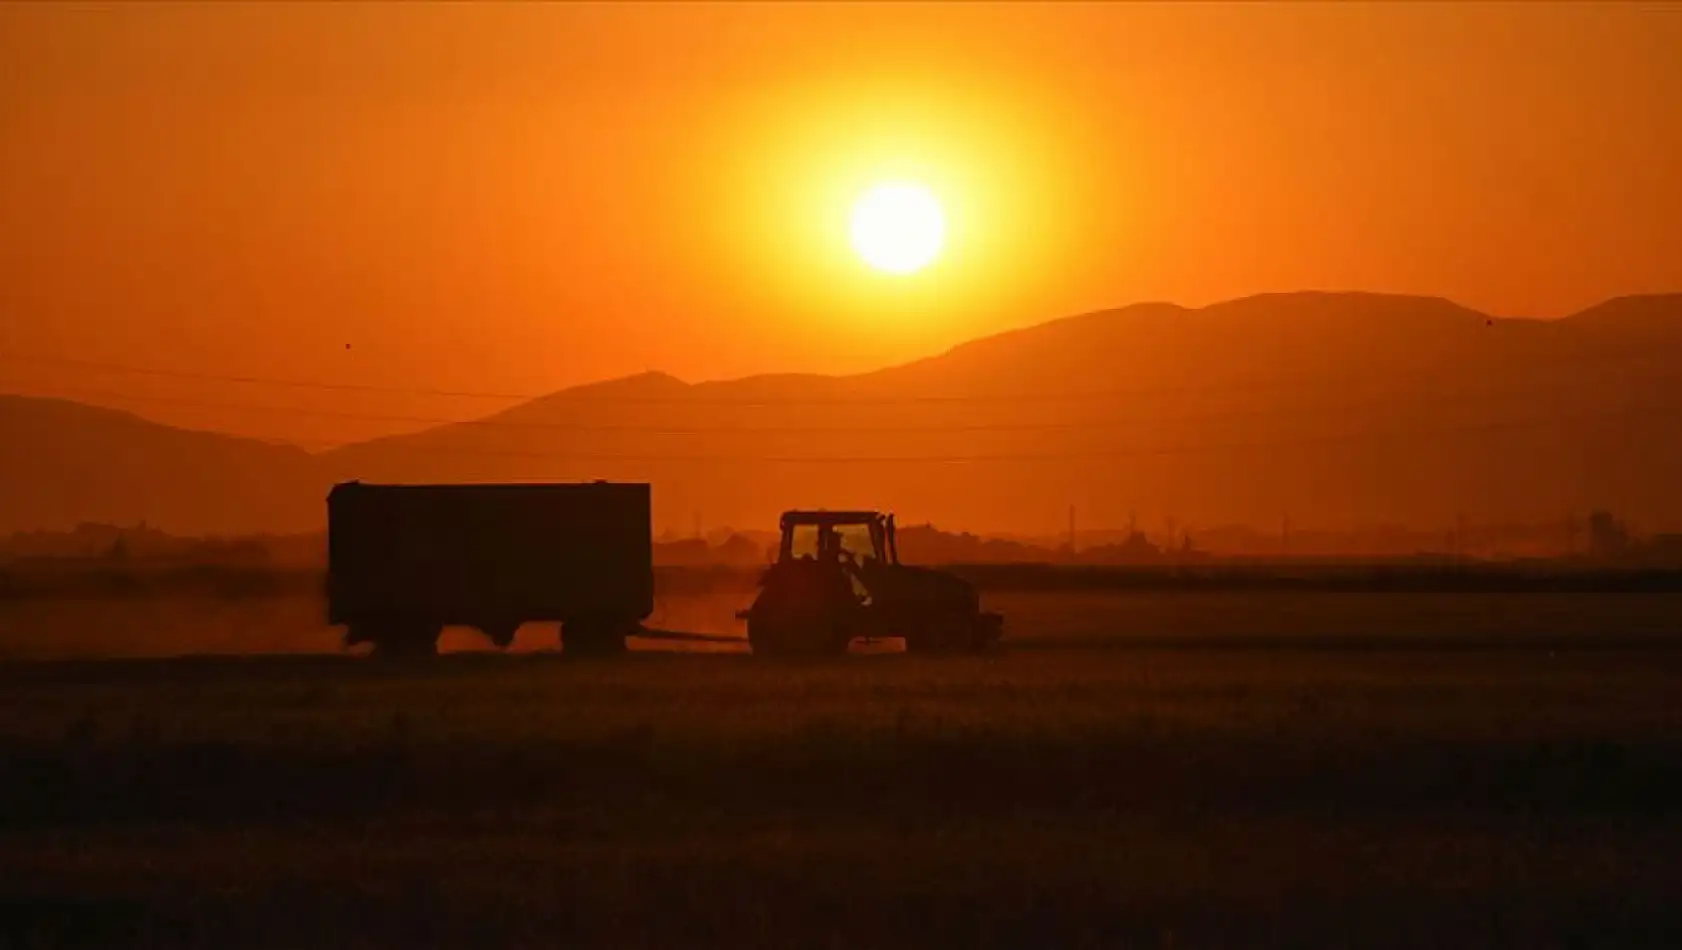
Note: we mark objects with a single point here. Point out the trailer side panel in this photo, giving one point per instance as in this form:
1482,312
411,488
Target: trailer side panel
463,554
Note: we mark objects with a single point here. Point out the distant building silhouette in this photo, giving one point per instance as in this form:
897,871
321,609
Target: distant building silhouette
1136,549
1608,537
738,549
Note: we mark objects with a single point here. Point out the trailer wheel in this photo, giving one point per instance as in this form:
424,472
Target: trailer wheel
500,632
404,641
594,637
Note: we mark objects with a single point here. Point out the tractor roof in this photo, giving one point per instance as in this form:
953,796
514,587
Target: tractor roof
831,517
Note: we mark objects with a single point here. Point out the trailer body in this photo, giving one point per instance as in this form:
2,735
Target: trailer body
408,558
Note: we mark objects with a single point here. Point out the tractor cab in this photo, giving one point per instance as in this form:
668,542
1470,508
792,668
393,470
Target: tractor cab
851,538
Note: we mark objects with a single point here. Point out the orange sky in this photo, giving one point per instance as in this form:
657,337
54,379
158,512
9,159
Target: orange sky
518,198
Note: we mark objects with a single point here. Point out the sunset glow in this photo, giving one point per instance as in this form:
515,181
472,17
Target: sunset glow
898,227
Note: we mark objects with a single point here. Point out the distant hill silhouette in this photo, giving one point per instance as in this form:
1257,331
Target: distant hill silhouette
1327,407
66,463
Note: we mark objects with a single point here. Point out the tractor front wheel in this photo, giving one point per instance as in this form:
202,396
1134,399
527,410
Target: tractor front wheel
954,633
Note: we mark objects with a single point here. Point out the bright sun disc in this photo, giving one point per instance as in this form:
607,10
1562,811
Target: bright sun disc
898,227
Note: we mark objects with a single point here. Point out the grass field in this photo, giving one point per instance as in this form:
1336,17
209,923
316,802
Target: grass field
1472,772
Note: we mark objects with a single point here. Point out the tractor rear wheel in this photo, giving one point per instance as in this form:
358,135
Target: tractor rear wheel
797,633
934,635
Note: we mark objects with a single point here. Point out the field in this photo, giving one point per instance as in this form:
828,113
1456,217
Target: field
1137,770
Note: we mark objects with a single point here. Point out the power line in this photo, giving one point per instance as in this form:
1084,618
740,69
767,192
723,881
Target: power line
694,399
653,428
259,380
665,429
1398,434
1186,449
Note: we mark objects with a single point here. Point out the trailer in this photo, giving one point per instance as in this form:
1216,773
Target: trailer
404,561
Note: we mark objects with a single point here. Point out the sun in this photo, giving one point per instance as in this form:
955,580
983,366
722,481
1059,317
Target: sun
898,227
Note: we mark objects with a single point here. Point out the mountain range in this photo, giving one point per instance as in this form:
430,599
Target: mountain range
1330,408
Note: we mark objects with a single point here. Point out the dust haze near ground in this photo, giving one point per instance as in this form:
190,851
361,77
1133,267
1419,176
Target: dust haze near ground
180,625
158,627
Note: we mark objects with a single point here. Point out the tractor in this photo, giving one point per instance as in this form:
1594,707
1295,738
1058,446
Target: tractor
837,577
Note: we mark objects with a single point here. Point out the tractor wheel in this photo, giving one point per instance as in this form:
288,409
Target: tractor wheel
403,641
789,634
945,633
500,632
591,638
985,632
928,641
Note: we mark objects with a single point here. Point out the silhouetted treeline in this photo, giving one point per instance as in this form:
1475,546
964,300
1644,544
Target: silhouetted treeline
1401,577
69,579
147,544
97,561
1599,537
149,548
